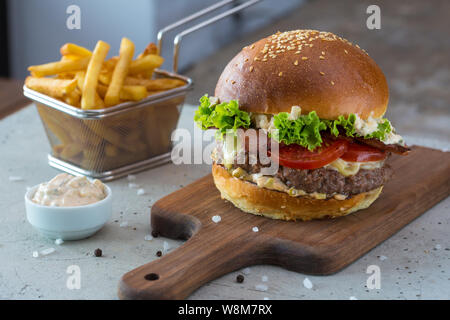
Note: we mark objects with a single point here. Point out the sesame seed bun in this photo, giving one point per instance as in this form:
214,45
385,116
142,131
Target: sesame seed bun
250,198
317,71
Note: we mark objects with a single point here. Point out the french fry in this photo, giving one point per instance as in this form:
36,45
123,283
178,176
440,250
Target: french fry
109,134
90,82
105,78
70,57
155,84
110,64
133,93
111,151
57,88
148,62
126,53
99,103
57,149
53,68
73,98
56,129
79,76
127,93
151,48
75,50
71,150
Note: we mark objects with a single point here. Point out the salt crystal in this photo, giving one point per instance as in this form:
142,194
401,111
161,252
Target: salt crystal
35,254
15,178
124,224
307,283
265,278
140,192
47,251
148,237
255,229
352,298
216,219
133,185
261,287
246,271
131,177
438,247
382,258
166,246
59,242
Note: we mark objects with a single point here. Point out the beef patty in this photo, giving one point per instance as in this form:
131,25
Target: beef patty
328,181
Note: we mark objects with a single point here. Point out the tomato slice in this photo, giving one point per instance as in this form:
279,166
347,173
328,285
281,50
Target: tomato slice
298,157
362,153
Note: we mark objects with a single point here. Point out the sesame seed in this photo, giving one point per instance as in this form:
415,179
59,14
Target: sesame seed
321,57
346,52
280,74
252,46
233,82
246,59
322,73
304,58
323,53
255,58
332,83
296,63
251,68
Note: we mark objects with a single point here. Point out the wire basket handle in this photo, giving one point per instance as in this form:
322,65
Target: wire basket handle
179,37
187,19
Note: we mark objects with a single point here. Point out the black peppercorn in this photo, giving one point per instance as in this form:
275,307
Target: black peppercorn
240,278
98,252
154,234
158,253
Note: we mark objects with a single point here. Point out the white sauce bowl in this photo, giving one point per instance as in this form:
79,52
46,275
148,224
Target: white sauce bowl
68,223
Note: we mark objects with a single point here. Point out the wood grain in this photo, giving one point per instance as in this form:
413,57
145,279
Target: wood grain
319,247
11,97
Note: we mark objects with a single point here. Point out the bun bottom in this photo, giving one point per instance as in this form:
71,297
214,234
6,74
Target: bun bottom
250,198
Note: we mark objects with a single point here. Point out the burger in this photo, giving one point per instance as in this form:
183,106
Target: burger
320,100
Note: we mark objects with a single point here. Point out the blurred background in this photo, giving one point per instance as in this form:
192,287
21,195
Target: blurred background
412,47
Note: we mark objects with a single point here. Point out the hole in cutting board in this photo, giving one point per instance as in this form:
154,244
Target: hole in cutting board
151,276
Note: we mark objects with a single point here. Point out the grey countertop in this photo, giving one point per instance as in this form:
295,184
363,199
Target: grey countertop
414,263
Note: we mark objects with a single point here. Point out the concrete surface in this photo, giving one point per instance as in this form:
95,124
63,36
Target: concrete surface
414,263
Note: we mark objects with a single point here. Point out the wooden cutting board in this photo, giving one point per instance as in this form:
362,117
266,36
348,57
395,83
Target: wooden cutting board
319,247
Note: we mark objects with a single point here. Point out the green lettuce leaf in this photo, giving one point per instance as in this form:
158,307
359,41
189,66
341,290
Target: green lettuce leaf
383,129
347,124
224,116
304,131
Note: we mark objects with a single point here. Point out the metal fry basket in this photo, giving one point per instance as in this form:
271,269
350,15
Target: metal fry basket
113,142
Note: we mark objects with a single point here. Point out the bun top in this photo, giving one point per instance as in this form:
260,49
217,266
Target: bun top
317,71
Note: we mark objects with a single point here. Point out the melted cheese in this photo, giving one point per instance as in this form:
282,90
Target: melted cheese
273,183
347,168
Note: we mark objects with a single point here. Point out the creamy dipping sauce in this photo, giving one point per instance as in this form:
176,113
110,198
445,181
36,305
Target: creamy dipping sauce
66,190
